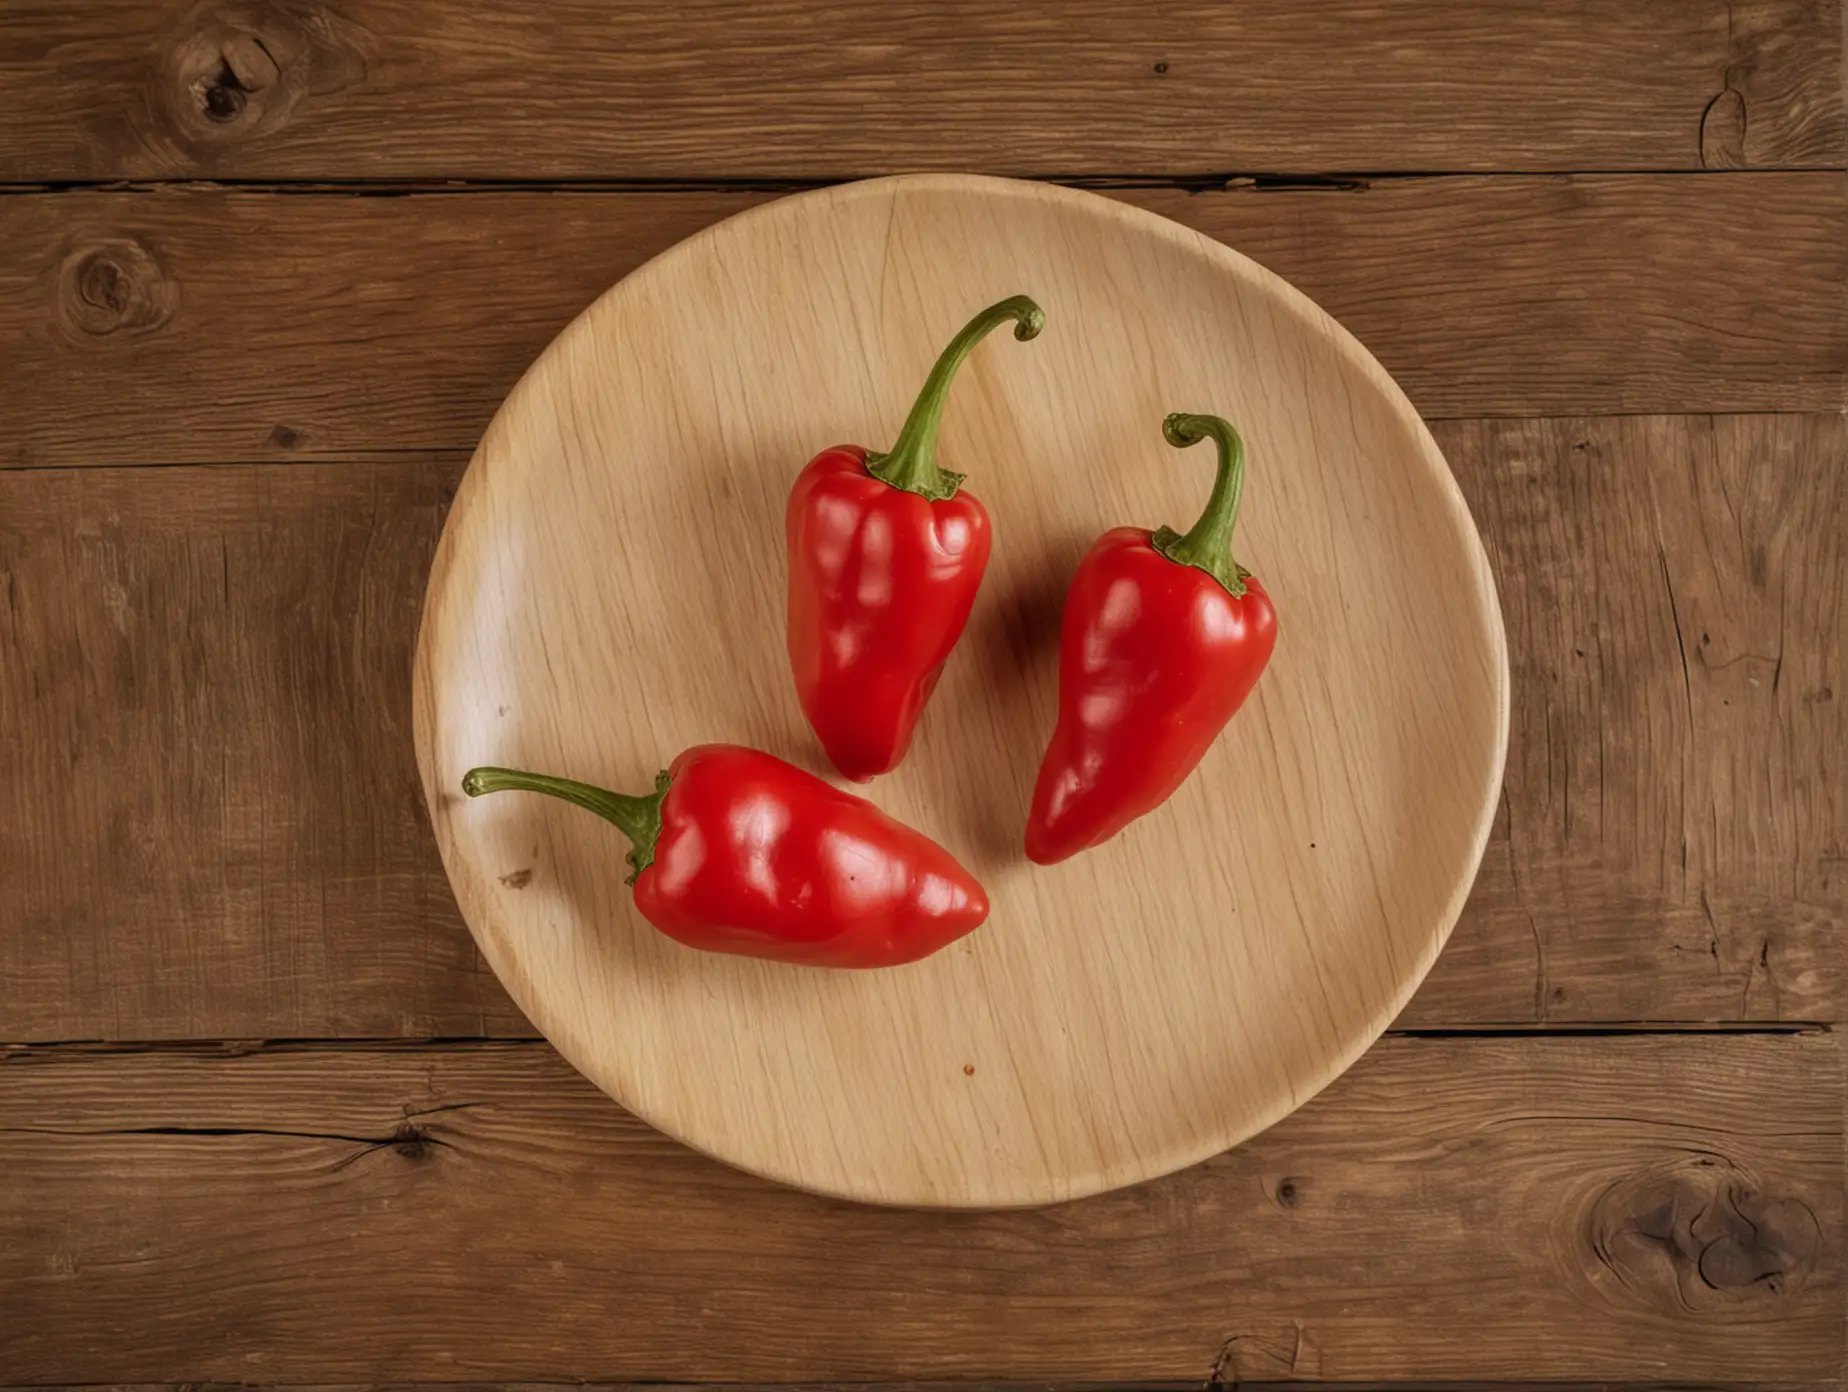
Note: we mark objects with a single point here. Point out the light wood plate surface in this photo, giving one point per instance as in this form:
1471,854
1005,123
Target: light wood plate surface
609,590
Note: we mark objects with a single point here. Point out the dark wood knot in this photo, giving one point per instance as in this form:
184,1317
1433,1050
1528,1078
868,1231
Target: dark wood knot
238,71
244,67
115,286
1703,1232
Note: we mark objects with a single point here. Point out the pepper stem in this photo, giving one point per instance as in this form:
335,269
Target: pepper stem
1208,544
911,463
638,818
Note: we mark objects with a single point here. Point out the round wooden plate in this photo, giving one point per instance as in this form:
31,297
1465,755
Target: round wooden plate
609,590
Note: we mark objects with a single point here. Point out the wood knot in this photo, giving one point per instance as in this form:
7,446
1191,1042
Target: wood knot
236,72
412,1142
1260,1355
1722,131
1702,1232
114,286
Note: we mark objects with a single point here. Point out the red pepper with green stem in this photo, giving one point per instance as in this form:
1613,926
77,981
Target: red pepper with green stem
1162,639
886,553
737,851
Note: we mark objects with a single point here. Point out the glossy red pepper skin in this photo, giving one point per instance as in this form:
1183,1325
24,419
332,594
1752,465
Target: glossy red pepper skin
1155,657
881,582
740,852
886,554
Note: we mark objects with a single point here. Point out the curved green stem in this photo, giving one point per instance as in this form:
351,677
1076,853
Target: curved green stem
911,463
1208,544
638,818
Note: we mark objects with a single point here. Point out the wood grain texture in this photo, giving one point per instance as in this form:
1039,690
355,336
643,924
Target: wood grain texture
212,674
1645,1208
215,829
398,89
208,325
1674,803
606,595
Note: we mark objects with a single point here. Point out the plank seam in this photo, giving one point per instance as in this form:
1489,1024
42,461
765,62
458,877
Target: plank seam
1213,181
237,1048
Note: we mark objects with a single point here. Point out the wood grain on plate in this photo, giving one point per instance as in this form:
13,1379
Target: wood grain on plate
398,89
1666,1209
214,829
190,327
608,592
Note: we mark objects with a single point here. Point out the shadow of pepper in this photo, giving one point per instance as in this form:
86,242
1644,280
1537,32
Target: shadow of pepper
1013,639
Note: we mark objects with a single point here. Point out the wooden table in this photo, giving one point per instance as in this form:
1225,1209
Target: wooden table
268,267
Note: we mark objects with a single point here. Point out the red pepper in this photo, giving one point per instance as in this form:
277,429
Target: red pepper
1162,640
885,557
737,851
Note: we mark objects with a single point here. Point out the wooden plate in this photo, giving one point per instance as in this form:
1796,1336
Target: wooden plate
609,590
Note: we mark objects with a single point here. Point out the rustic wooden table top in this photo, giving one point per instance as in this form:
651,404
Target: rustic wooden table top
266,269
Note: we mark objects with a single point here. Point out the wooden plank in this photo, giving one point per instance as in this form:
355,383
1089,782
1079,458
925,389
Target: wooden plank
1645,1207
213,828
1673,802
208,693
210,325
791,87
